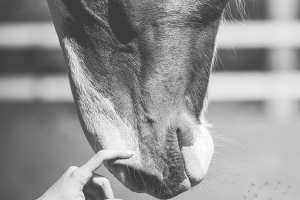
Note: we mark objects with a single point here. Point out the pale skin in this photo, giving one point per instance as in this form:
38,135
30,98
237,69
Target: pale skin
81,183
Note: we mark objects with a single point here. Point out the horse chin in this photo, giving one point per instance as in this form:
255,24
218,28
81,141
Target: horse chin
141,180
172,179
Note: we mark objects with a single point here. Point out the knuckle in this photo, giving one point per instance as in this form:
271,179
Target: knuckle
72,169
104,182
77,174
80,176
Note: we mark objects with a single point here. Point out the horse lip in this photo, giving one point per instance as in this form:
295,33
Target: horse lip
134,163
133,177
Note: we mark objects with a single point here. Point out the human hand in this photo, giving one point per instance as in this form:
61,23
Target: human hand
82,183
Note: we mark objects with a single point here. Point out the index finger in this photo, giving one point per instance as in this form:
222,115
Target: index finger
97,160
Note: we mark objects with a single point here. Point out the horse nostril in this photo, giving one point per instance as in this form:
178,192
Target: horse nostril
150,121
185,137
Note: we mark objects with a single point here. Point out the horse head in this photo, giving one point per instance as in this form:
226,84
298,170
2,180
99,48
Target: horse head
139,71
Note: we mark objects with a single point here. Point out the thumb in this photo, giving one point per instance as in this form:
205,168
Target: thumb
98,188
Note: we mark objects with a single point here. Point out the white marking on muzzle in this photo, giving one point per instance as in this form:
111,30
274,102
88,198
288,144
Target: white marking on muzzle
198,156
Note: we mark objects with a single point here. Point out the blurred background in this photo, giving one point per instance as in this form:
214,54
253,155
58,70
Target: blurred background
254,110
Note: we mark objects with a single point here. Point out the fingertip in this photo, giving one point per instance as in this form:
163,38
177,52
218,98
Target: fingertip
123,154
126,154
129,152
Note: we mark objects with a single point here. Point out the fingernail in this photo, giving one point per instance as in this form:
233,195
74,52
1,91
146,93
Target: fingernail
130,152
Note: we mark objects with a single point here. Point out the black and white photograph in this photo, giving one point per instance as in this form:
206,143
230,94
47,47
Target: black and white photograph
150,99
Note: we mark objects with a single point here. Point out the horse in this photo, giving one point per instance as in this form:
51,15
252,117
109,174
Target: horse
139,71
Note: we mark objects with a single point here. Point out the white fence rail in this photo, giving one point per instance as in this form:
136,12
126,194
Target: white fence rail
28,35
27,88
252,34
223,87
